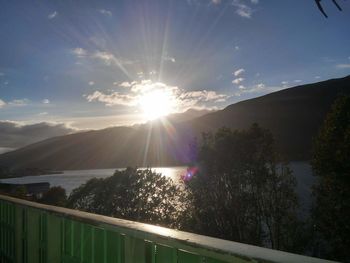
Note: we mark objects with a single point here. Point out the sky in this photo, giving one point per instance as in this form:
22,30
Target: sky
83,64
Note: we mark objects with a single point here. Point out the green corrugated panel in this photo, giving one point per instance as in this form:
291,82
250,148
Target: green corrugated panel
187,257
150,252
67,240
99,245
86,244
76,239
43,238
165,254
33,236
18,234
54,239
113,247
134,250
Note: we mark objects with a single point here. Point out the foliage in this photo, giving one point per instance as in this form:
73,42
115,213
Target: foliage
242,192
331,164
54,196
134,194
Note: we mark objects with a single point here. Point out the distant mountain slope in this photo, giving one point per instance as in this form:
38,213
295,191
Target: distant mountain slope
293,115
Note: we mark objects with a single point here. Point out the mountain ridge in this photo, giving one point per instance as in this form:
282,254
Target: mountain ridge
294,116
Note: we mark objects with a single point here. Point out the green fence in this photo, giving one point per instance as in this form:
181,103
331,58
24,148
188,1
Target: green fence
35,233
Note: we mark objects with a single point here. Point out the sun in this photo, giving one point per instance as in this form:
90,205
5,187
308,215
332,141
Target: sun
156,104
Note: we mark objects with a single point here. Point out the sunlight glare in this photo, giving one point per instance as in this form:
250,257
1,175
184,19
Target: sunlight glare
156,104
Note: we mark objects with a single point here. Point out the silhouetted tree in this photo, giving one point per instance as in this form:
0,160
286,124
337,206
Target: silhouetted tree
242,192
331,164
134,194
54,196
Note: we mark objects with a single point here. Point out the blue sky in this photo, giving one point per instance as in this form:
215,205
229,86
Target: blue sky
90,64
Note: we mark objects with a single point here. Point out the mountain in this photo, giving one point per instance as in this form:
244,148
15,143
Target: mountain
293,115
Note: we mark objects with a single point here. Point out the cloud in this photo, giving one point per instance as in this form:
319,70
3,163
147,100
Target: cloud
15,134
45,101
52,15
136,90
106,57
2,103
169,58
79,52
91,83
115,98
216,2
258,88
297,80
238,72
237,80
242,9
317,77
105,12
343,66
254,1
19,102
2,74
126,84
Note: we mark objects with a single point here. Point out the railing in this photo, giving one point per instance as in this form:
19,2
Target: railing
36,233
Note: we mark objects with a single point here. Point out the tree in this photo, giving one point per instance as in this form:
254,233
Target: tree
54,196
241,192
331,164
134,194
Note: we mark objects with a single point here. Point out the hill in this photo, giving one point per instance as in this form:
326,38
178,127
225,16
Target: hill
294,116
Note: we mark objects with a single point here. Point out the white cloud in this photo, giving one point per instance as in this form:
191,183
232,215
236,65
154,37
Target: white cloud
317,77
127,84
106,57
284,82
242,9
259,88
237,48
105,12
238,72
91,83
297,80
46,101
169,58
115,98
237,80
181,99
2,103
343,66
19,102
79,52
216,2
52,15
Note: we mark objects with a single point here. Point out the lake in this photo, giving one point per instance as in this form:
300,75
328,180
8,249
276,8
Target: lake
71,179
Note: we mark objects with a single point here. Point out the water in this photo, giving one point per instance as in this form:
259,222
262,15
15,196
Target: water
71,179
74,178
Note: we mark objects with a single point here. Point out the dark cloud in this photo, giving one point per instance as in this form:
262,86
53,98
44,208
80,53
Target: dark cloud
15,135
